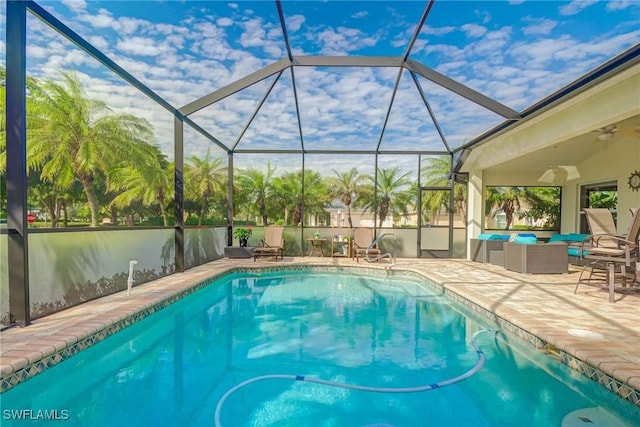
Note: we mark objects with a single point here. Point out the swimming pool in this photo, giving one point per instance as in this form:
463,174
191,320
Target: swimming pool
173,367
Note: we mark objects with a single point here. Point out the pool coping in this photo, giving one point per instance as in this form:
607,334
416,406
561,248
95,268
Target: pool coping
18,365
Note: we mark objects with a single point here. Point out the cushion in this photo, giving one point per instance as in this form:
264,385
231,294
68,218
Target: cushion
559,238
576,252
488,236
525,240
575,237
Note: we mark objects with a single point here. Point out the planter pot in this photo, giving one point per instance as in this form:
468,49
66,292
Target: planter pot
243,242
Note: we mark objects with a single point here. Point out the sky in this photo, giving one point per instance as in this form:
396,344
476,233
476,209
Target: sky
515,52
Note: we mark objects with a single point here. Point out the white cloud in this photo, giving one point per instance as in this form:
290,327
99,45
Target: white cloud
224,22
99,42
360,14
620,4
575,7
539,27
473,30
294,22
103,19
485,17
129,25
76,6
437,31
343,40
254,34
142,46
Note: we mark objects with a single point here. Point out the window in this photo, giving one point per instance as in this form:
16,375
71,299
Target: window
522,208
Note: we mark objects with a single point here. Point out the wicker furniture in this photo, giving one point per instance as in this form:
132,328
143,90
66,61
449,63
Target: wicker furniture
481,249
542,258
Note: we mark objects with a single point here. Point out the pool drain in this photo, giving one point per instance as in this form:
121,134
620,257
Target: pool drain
425,387
590,417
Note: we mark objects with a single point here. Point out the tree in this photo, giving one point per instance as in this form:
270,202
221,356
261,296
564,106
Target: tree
504,199
203,179
152,184
437,173
346,186
287,190
75,138
392,192
256,188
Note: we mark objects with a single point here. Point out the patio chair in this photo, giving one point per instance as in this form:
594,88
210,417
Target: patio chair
600,221
614,251
273,243
363,244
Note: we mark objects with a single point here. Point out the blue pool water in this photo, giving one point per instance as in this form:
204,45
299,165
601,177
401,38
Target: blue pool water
172,368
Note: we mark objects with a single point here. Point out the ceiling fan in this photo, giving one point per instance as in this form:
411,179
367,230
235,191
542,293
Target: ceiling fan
605,133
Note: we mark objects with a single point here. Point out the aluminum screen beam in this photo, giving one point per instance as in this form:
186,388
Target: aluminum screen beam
347,61
462,90
234,87
431,113
416,33
257,109
381,152
295,99
386,117
204,133
284,29
16,172
178,182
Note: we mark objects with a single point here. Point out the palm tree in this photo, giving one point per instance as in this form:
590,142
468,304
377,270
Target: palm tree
31,85
316,194
392,191
288,190
203,179
437,173
504,199
256,188
75,138
151,184
346,186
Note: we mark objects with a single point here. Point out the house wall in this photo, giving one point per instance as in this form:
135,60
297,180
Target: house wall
615,162
617,159
606,102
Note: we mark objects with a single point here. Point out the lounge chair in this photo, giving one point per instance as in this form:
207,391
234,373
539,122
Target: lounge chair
273,243
614,251
363,244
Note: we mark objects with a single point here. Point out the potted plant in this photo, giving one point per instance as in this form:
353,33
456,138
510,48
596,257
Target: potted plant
242,234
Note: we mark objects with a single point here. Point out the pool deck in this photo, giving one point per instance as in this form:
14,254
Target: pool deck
598,337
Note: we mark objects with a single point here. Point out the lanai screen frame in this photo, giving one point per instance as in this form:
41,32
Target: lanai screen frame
17,229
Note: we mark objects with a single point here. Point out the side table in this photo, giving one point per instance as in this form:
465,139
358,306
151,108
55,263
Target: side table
316,245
